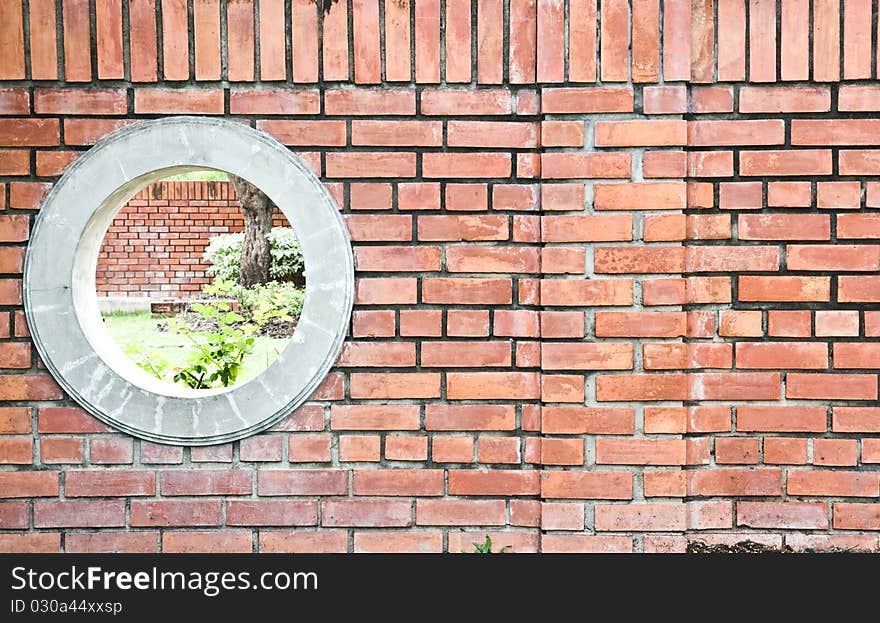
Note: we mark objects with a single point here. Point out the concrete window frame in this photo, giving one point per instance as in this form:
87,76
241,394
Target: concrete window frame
61,303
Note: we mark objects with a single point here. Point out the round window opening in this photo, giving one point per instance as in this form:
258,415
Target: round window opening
189,281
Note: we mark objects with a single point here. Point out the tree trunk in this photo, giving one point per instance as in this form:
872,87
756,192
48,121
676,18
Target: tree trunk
257,211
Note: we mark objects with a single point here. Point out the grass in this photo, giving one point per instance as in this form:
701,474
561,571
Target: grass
139,330
205,175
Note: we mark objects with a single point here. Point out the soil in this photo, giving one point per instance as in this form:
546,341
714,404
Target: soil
751,547
196,322
743,547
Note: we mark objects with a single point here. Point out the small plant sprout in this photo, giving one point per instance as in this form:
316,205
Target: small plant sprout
486,547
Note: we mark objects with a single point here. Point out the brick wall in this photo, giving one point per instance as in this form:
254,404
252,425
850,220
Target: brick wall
616,281
154,246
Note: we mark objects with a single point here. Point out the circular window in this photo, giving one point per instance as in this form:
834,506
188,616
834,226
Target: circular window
63,309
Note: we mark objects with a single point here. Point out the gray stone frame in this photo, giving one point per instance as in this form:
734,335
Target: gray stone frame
61,302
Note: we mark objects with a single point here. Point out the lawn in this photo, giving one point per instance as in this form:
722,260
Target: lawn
138,331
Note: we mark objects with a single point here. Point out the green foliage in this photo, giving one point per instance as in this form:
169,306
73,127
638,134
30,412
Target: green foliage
486,547
286,254
217,357
262,303
147,360
203,175
223,253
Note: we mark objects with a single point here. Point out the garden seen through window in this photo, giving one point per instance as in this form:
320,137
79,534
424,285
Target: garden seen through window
200,280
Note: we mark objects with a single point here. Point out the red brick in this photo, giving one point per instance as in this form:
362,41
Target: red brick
640,196
469,417
385,291
729,133
274,102
302,482
330,133
831,386
271,513
75,30
640,133
562,134
640,451
30,543
781,418
399,482
144,52
835,452
16,450
43,40
452,449
212,454
374,417
493,482
562,516
14,102
359,448
460,512
735,482
587,100
27,195
784,227
850,516
61,450
787,515
15,162
90,131
666,164
793,355
29,132
94,483
154,453
206,482
492,385
736,450
785,450
491,449
453,102
586,485
420,542
261,448
855,419
79,514
145,542
178,101
777,99
225,541
68,420
585,543
858,289
830,483
586,165
641,517
395,385
785,162
788,289
111,450
371,164
465,354
80,101
206,28
283,542
378,323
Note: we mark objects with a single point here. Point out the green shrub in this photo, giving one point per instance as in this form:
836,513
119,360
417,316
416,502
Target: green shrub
223,253
287,257
262,303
